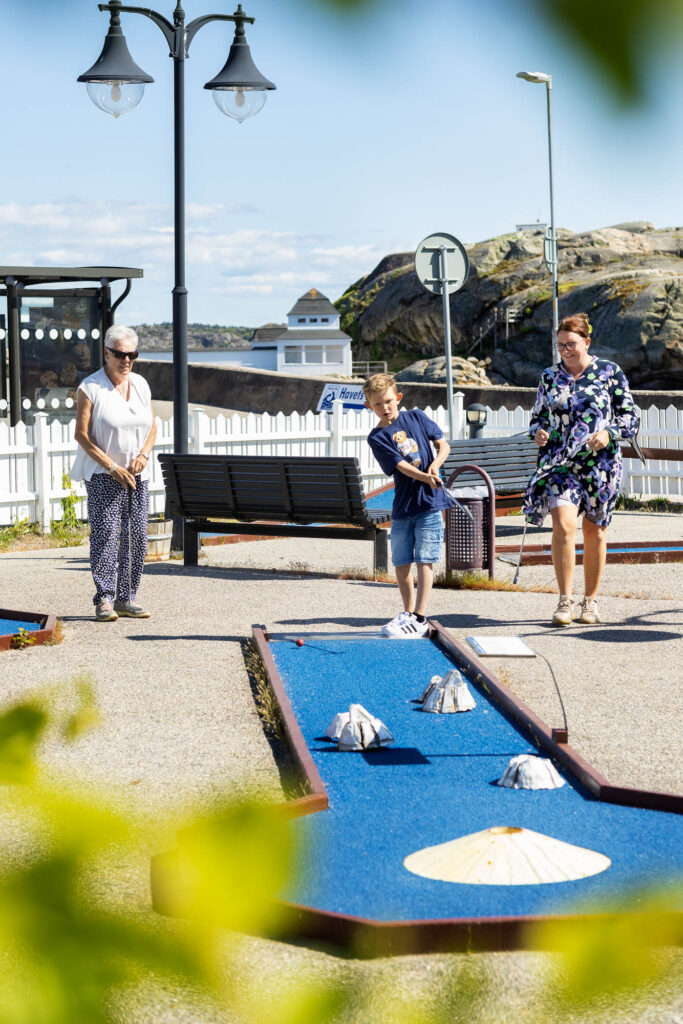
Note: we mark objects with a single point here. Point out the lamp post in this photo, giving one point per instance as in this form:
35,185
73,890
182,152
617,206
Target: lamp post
116,85
550,242
476,416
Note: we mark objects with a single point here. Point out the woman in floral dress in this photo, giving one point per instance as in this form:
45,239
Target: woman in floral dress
583,409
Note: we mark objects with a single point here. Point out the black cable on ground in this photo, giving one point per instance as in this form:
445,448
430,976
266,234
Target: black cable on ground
557,688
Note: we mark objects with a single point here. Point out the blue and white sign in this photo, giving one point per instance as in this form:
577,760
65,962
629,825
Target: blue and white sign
350,394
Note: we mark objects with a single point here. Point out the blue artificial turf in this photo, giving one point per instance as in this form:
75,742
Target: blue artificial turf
383,500
8,627
434,785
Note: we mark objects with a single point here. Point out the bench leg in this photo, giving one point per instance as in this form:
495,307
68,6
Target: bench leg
381,552
190,545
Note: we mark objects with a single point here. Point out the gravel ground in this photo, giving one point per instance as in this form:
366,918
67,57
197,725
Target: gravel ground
179,724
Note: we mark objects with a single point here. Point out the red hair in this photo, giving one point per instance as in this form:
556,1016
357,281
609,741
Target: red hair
577,323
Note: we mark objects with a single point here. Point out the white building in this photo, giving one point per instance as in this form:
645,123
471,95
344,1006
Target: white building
310,344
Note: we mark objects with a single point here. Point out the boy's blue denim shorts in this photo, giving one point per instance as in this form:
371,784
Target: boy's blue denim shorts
417,539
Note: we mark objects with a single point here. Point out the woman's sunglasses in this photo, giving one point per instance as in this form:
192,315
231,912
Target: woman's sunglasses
123,355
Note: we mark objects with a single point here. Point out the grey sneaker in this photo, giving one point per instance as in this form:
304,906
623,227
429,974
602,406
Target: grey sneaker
589,611
104,611
564,613
130,609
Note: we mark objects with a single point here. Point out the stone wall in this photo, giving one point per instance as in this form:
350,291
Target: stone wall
267,391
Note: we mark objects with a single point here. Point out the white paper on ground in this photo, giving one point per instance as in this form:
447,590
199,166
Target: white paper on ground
501,646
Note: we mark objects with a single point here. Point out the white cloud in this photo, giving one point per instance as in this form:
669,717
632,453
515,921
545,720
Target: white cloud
224,258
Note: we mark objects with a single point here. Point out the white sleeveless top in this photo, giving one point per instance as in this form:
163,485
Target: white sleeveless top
118,427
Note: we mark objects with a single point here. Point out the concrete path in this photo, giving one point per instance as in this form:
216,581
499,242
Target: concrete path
179,724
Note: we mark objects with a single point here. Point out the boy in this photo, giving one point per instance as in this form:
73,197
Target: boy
411,447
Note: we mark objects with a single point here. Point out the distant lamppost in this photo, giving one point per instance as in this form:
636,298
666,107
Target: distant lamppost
550,246
116,85
476,416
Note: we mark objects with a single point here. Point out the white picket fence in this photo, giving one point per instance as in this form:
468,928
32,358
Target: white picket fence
34,459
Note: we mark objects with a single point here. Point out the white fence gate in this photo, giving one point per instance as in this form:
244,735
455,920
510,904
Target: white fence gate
35,459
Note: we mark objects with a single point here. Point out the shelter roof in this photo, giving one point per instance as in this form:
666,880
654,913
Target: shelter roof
63,275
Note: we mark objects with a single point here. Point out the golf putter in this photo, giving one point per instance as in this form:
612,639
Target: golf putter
130,552
521,549
456,502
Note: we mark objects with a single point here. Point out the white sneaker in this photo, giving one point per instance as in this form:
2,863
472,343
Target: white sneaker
408,629
564,613
388,626
589,611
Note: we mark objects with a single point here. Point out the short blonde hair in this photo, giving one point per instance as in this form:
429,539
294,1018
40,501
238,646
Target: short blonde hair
378,383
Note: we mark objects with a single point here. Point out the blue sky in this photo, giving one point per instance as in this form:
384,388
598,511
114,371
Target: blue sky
386,125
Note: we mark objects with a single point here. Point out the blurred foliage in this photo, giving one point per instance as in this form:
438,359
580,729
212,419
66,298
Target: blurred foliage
621,38
615,955
72,951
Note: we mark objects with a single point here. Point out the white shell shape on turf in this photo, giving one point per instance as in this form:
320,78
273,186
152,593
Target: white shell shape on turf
526,771
334,729
447,695
504,855
363,730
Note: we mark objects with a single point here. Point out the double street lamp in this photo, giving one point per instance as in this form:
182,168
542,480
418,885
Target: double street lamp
550,242
116,84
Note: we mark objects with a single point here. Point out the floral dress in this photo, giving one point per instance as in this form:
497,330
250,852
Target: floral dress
571,411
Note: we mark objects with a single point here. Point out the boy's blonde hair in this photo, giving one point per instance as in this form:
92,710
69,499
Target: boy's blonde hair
379,382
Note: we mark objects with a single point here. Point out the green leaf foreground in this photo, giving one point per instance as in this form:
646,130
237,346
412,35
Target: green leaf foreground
70,954
622,40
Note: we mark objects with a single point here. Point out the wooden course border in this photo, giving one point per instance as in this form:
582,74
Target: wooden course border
39,636
368,938
643,552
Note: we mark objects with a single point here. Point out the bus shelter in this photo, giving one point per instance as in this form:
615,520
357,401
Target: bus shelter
53,332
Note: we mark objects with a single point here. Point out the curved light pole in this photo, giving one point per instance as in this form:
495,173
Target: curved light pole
550,241
116,85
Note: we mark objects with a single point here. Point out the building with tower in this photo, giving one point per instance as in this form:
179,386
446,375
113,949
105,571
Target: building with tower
310,344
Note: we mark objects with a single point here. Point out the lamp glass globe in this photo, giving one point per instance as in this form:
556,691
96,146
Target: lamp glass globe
116,98
239,104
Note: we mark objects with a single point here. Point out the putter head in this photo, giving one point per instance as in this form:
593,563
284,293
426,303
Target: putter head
456,502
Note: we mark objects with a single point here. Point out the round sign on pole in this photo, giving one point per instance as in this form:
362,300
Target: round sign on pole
428,263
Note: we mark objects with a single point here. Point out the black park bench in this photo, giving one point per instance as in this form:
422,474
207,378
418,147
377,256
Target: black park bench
509,461
280,496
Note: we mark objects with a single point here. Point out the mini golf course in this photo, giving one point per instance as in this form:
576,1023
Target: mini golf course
39,625
369,810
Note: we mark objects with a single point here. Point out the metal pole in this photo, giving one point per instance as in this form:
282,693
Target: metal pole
13,302
180,390
447,340
553,244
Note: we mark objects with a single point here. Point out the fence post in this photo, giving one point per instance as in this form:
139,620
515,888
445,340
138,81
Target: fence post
42,475
459,413
199,432
337,439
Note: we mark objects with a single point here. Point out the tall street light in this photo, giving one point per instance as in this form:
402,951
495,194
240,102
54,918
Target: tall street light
550,245
116,85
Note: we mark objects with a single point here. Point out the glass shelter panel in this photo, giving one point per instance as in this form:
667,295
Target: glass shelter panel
59,346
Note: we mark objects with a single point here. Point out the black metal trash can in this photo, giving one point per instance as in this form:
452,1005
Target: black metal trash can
471,539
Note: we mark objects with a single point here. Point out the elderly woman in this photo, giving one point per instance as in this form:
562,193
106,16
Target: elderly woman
115,431
583,409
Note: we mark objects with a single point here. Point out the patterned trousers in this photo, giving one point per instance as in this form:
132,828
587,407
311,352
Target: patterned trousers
108,515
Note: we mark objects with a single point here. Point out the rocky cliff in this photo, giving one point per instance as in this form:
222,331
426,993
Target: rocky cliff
628,278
